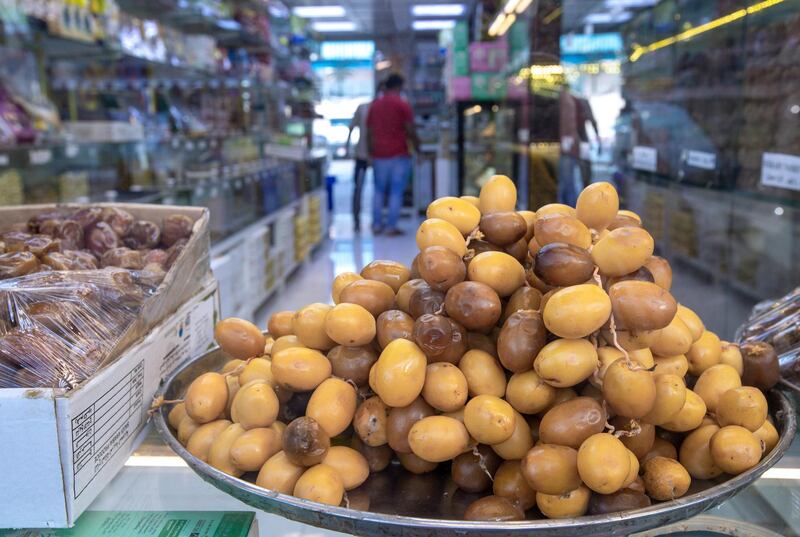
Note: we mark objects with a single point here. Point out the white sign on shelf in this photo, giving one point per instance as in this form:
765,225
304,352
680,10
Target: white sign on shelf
71,150
40,156
780,170
701,159
4,160
644,158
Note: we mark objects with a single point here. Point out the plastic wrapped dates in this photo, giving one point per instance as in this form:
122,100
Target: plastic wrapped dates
540,355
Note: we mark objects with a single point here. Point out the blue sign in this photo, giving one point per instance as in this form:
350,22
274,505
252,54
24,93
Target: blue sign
591,43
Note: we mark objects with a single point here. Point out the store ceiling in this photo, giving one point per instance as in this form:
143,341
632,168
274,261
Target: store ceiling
377,18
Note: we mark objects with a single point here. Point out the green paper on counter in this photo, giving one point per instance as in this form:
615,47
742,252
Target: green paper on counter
153,524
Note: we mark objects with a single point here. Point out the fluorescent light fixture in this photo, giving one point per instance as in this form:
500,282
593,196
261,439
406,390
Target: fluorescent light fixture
437,10
333,26
496,23
511,6
318,12
523,5
640,50
510,19
433,24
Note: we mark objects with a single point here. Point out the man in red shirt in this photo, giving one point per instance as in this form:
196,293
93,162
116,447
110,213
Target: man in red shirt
390,127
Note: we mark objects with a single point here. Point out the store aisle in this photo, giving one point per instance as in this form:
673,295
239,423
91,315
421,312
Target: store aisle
345,251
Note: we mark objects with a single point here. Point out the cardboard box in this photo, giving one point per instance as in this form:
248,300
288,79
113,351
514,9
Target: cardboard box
184,280
59,449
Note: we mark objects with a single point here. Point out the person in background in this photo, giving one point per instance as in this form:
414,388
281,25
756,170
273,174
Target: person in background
390,128
361,155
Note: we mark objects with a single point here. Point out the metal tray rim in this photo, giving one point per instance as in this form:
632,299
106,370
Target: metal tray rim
646,517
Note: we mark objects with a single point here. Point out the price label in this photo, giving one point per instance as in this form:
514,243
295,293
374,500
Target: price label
40,156
189,145
71,150
644,158
780,170
4,160
700,159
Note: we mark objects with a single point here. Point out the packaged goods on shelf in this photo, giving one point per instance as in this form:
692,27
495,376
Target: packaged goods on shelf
59,448
65,316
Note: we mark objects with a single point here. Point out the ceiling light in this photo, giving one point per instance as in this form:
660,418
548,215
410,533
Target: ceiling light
496,23
511,6
506,24
630,3
334,26
523,5
433,24
437,10
318,12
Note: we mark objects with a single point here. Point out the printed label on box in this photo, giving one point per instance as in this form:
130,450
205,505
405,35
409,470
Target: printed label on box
780,170
105,417
700,159
644,158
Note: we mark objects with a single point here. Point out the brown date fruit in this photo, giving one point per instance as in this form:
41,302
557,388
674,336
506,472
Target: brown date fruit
640,305
571,422
14,264
174,252
440,338
661,271
623,500
441,267
522,337
560,264
370,421
352,363
637,439
81,260
425,300
503,228
495,509
623,220
473,304
400,421
120,220
176,227
472,471
157,257
143,234
40,245
642,274
123,258
391,273
481,342
524,298
57,261
87,217
305,442
394,324
101,238
378,458
761,367
15,240
518,250
73,236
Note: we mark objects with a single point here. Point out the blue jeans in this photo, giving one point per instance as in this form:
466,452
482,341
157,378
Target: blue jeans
390,175
570,183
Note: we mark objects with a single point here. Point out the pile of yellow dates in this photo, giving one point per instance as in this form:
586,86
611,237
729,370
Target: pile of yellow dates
539,354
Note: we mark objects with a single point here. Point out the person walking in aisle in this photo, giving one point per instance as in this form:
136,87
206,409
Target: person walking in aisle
390,128
361,155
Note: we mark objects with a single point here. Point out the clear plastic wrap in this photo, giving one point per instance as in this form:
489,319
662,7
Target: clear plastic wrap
777,322
57,328
74,294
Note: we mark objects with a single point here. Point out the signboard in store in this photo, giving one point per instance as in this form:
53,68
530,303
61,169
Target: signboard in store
347,50
644,158
700,159
780,170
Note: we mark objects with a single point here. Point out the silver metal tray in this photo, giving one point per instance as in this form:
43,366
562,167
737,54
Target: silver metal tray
402,504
